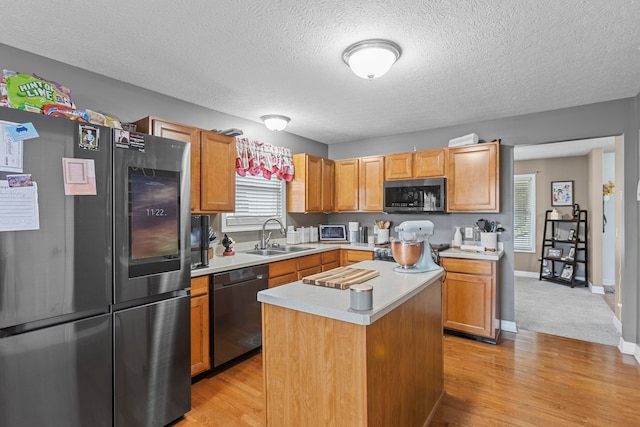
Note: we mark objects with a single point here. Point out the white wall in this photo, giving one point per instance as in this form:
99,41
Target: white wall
609,238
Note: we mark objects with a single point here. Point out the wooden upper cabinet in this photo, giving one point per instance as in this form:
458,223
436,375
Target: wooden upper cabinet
212,163
179,132
347,183
312,187
414,165
473,183
359,184
429,163
328,185
371,183
218,180
398,166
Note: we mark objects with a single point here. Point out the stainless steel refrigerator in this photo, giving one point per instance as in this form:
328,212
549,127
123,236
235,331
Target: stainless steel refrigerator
94,302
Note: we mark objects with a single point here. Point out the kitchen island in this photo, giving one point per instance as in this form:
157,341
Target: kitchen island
325,364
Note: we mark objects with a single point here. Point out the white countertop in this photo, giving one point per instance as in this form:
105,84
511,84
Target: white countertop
390,290
483,255
240,260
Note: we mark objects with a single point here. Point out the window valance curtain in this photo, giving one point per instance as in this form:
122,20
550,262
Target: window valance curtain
259,158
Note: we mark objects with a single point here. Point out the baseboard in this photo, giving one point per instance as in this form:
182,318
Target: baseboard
508,326
629,348
530,274
617,324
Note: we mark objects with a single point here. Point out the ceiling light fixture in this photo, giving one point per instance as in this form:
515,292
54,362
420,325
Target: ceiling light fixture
275,122
371,59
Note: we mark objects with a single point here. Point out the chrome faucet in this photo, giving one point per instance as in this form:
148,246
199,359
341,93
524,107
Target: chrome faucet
264,239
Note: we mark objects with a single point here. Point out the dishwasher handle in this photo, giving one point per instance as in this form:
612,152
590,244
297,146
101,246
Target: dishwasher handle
240,276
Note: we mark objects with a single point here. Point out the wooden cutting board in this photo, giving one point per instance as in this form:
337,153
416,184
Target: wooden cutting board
341,277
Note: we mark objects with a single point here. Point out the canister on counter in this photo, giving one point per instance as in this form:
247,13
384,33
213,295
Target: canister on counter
361,297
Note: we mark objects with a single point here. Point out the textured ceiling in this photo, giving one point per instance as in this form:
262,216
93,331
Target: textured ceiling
462,61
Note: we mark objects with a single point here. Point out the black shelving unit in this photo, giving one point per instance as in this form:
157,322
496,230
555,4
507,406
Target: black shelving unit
565,249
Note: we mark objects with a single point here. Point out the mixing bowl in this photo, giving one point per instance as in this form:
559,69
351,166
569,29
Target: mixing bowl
406,253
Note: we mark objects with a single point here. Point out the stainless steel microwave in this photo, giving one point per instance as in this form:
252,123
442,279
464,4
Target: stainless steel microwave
415,196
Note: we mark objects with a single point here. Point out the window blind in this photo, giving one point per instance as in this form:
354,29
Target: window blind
524,209
257,199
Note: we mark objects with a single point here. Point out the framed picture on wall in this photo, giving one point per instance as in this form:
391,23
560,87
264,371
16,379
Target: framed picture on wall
561,193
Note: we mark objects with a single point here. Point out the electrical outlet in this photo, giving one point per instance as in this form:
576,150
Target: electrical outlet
468,233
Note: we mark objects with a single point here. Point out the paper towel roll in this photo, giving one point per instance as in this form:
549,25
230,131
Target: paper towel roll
354,226
469,139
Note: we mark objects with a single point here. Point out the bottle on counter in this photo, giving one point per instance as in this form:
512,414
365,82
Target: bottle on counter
457,238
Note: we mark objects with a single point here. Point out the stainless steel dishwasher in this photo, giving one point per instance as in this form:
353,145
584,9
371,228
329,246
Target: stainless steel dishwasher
236,325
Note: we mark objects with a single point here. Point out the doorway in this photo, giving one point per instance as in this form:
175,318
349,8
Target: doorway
594,163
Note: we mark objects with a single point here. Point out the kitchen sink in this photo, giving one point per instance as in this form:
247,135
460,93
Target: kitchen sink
264,252
291,248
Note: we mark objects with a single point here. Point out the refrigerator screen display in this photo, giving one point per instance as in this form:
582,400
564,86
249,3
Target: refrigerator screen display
154,215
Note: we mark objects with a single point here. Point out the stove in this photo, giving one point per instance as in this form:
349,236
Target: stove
383,252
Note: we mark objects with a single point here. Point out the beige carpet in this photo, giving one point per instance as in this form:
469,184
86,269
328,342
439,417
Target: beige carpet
557,309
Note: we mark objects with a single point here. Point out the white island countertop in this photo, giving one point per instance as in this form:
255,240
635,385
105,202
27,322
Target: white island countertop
390,290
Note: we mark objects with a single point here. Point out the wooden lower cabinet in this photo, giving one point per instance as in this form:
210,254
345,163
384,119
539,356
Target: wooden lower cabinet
200,357
292,270
330,260
470,298
308,265
283,272
352,256
320,371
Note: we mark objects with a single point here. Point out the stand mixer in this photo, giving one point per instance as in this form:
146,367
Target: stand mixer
422,230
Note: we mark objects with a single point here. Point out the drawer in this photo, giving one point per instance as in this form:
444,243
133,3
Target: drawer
309,271
280,268
330,266
200,286
309,261
353,256
331,256
283,280
457,265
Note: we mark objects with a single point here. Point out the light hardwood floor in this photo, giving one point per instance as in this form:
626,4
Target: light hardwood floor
532,380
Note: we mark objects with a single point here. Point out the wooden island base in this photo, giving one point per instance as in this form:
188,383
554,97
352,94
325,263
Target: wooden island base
325,372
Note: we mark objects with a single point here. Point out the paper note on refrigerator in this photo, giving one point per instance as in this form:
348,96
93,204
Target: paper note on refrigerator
10,150
19,208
